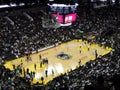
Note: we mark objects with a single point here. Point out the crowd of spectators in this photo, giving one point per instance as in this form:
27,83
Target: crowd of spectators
101,74
104,72
27,35
10,80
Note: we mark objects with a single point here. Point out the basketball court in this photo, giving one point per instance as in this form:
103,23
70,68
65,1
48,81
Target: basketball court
61,59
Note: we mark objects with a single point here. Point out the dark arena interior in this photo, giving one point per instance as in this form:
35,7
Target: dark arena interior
29,26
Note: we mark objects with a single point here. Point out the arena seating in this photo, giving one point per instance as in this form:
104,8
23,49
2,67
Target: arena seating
28,36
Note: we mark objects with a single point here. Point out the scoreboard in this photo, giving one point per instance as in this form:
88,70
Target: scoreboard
68,18
65,14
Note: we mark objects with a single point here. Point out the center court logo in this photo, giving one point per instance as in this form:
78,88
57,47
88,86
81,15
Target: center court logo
64,56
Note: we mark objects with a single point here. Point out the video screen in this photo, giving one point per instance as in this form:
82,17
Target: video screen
70,17
59,18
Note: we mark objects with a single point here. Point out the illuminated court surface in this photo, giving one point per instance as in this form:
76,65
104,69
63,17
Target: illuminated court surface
61,59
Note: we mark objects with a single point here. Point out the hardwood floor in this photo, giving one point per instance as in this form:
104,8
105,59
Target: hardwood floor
73,52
